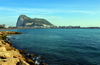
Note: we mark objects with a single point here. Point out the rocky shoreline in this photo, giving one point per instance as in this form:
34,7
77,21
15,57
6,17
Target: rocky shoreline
12,56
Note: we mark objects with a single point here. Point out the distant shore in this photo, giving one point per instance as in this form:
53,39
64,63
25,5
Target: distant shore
49,28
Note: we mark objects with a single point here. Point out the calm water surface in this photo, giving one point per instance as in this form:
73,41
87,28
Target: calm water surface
61,46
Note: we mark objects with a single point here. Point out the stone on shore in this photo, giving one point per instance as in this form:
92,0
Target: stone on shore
9,61
12,61
2,49
31,62
8,54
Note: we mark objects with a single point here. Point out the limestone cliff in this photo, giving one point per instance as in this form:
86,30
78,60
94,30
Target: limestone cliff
24,21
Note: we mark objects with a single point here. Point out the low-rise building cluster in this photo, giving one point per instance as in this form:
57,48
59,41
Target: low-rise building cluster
3,26
52,26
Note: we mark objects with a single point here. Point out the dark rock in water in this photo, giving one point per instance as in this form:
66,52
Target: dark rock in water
9,43
31,62
8,38
24,21
22,51
32,55
44,64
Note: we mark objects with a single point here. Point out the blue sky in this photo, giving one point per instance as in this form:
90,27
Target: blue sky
58,12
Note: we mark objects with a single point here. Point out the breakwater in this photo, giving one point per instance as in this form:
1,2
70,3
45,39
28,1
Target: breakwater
12,56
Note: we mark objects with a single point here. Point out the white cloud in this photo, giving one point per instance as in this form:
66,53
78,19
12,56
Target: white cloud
89,12
27,10
43,11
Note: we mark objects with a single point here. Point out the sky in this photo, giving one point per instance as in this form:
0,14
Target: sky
83,13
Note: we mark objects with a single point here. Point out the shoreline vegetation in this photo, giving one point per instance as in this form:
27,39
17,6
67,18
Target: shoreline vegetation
9,55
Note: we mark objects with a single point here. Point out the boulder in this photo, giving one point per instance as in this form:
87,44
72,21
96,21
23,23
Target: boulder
31,55
22,63
10,54
8,42
31,62
2,49
12,61
9,61
23,51
1,44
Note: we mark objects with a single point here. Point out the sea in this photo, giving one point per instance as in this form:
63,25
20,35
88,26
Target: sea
61,46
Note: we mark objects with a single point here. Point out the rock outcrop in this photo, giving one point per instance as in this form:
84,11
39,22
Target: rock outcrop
12,56
9,55
3,34
24,21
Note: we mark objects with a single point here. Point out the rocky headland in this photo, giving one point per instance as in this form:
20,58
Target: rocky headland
24,21
12,56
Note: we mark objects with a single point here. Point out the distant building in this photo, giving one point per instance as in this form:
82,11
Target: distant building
11,27
93,27
3,26
73,27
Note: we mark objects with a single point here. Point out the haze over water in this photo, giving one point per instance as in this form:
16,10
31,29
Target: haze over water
61,46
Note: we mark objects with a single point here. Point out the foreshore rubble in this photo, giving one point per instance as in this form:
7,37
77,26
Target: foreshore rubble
12,56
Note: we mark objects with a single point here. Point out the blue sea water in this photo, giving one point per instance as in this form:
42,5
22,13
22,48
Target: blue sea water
61,46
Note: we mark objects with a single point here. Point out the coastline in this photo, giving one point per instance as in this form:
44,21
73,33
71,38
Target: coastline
12,56
47,28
